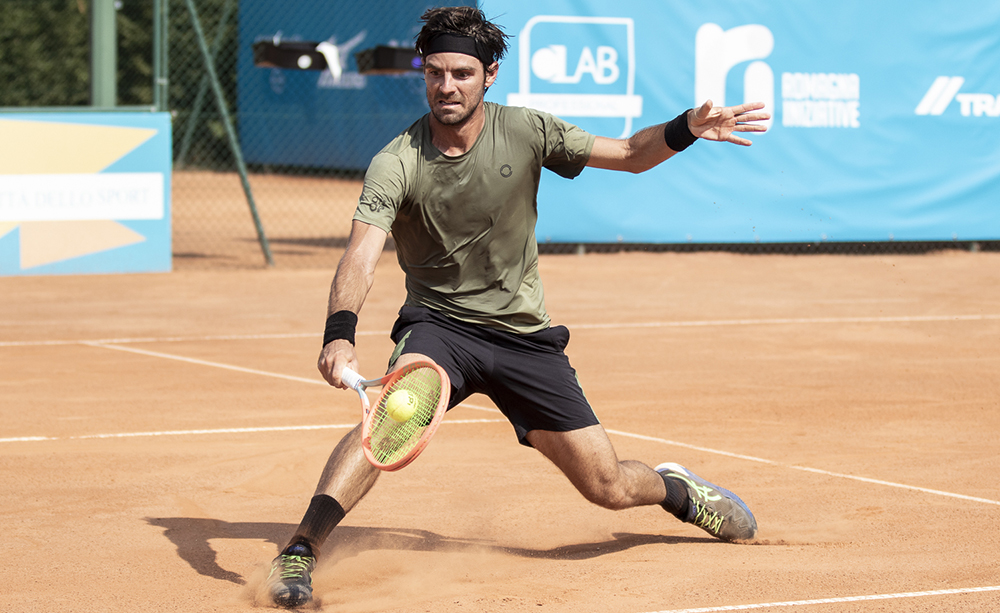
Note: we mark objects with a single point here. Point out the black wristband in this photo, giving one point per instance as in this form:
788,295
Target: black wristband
677,134
340,325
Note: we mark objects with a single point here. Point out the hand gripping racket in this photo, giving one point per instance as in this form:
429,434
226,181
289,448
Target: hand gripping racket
392,441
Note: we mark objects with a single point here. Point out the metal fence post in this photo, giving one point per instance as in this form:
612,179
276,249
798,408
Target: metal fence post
234,144
203,85
161,21
103,54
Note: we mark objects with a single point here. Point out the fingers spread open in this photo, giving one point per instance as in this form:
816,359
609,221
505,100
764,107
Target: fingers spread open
753,117
746,108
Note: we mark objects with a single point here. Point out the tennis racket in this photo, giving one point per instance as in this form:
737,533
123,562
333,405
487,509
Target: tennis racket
408,411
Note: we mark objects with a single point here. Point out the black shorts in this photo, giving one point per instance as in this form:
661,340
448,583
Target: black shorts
527,376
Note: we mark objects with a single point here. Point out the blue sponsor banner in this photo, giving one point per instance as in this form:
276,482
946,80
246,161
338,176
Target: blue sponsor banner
885,126
311,118
85,193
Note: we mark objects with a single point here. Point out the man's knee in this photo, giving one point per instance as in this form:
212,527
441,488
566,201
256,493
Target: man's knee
606,492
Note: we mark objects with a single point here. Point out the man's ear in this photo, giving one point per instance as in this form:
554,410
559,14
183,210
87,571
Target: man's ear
491,73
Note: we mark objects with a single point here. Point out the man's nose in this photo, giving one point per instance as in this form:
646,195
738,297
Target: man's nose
447,83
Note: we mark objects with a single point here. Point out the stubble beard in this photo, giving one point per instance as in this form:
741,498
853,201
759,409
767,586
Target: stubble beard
450,118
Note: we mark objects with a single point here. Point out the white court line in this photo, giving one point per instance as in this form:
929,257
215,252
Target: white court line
155,339
786,321
180,339
110,344
802,603
581,326
179,358
27,439
617,432
689,446
891,484
751,458
252,371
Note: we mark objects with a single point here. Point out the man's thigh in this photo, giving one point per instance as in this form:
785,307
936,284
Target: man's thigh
586,456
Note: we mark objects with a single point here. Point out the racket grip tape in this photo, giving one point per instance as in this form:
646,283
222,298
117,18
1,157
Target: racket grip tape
351,378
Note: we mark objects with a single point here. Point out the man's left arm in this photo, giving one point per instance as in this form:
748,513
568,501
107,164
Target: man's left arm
648,147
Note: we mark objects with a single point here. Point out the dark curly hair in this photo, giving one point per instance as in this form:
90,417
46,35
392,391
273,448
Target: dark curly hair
465,21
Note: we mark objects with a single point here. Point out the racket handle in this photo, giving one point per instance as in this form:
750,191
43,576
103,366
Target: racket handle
351,378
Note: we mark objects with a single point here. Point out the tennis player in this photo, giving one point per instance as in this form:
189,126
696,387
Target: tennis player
458,191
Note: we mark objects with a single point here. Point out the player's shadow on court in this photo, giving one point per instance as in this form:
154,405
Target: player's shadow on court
192,538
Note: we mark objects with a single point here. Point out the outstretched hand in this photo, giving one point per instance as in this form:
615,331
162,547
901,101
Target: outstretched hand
719,124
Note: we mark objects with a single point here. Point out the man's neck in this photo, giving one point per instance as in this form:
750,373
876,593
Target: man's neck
454,140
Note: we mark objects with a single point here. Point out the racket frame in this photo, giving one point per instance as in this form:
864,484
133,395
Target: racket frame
358,384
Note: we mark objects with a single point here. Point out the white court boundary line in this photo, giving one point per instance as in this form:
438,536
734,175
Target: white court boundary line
801,603
581,326
196,361
746,607
179,339
252,371
787,321
828,473
179,358
82,437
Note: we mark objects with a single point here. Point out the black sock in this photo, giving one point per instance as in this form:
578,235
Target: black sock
676,501
322,516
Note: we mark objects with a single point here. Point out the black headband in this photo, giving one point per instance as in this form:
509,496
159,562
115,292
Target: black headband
456,43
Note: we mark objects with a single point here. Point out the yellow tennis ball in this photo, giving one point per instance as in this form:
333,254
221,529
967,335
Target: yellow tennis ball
400,405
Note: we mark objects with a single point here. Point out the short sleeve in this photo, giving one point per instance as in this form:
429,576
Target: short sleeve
383,191
567,147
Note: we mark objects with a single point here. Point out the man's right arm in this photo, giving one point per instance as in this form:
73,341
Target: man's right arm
647,148
351,284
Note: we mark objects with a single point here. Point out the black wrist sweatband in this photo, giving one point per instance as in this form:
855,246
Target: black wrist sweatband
677,134
340,325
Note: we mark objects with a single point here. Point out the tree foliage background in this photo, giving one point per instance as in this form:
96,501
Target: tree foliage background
45,62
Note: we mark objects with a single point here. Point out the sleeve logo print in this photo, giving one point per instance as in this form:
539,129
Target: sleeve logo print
375,204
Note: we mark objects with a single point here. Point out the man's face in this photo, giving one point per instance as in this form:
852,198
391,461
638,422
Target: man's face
455,86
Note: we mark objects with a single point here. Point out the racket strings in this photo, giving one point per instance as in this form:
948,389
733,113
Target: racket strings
392,440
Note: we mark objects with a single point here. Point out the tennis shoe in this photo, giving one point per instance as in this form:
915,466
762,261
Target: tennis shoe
719,512
290,581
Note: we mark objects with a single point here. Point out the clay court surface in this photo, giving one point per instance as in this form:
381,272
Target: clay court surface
162,435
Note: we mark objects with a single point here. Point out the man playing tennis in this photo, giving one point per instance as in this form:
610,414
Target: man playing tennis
458,191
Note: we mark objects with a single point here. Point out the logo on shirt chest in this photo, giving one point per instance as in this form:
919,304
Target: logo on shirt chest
506,171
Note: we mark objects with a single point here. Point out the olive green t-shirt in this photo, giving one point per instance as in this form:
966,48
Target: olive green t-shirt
464,226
